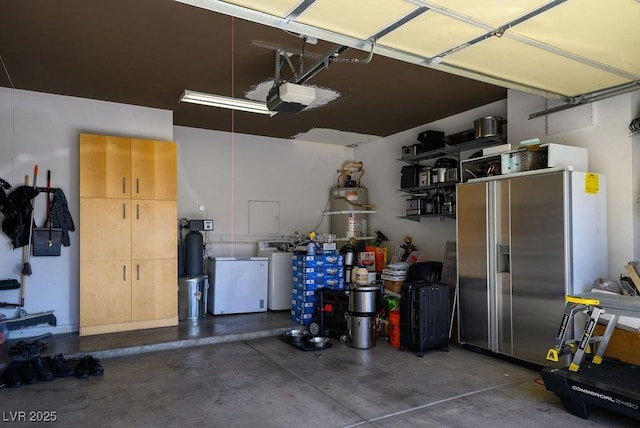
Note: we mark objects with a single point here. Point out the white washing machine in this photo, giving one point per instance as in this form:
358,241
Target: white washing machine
280,292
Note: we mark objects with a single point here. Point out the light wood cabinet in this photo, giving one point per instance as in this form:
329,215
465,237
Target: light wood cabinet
105,229
105,293
149,299
153,170
105,166
149,237
128,234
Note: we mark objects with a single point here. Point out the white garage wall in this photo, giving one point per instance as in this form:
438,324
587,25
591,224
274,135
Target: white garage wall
224,171
37,128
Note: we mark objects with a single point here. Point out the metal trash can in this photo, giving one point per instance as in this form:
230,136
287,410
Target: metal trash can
192,297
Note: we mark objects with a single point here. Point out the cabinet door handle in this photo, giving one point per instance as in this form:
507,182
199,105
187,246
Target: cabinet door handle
137,185
124,211
124,272
137,211
138,272
124,185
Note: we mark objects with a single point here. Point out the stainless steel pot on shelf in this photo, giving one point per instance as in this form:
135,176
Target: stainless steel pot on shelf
489,126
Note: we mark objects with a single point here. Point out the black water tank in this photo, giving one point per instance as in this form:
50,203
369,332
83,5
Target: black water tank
181,269
194,263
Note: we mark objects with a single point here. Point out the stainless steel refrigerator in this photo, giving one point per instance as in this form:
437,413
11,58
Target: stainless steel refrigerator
524,242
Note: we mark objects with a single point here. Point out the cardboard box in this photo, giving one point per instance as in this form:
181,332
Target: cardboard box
624,345
380,256
367,259
393,286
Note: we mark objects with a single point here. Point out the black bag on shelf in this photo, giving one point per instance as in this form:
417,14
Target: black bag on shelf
431,140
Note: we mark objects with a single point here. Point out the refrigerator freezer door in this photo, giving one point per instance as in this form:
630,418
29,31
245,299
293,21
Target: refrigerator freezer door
239,285
473,293
538,262
502,222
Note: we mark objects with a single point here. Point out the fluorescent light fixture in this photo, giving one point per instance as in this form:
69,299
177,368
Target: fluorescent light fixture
203,98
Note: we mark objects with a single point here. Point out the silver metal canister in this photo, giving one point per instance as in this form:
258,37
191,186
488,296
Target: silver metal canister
364,299
361,331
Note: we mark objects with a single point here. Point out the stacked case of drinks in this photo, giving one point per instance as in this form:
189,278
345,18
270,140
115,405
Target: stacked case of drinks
311,272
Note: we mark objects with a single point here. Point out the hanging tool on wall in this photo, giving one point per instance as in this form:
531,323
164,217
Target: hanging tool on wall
26,267
47,222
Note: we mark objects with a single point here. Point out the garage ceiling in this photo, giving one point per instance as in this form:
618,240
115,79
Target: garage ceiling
569,49
431,59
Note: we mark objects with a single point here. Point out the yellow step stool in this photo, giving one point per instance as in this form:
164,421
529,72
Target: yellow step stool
594,304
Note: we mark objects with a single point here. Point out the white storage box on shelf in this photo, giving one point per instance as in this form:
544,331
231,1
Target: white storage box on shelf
549,155
545,156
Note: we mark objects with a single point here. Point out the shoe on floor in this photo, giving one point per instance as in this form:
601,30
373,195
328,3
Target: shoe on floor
12,377
27,350
17,348
95,368
42,370
27,374
59,366
81,367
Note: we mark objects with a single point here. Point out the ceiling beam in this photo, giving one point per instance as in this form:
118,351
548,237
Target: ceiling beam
300,8
410,16
590,98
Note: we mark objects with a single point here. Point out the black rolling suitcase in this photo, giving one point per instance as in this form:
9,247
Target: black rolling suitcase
427,315
406,326
427,271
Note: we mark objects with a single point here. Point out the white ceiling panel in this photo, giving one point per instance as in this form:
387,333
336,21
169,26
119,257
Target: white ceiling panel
603,31
515,61
356,18
430,34
491,12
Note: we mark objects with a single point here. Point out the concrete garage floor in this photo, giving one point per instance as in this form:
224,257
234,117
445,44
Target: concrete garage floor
234,371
